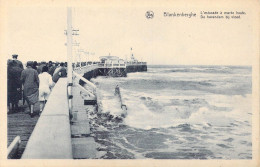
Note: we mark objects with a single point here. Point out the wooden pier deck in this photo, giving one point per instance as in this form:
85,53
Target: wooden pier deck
21,124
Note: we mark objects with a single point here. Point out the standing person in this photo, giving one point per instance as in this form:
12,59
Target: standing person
35,64
30,82
18,63
45,87
51,68
60,72
39,69
14,84
58,67
63,70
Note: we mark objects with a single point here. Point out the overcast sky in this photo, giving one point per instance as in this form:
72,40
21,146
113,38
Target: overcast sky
37,33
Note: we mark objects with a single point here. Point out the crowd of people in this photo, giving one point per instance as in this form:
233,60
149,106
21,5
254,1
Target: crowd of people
32,84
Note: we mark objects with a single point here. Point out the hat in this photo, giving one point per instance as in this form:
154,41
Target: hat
15,55
29,63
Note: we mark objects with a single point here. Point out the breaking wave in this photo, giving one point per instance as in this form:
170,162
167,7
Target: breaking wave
176,115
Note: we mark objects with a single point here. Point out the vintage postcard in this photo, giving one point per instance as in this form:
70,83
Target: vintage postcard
129,83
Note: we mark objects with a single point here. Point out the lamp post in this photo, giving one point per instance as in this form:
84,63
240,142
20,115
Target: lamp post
69,45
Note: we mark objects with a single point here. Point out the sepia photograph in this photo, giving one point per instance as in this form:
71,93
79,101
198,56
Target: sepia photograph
168,83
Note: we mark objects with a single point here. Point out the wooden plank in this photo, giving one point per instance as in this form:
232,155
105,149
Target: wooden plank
13,148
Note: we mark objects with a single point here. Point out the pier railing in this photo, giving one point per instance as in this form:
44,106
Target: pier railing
91,92
136,63
85,69
112,65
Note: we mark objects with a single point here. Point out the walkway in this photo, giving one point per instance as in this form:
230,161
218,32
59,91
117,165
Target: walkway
21,124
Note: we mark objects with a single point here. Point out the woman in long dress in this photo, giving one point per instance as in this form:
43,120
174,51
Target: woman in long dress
46,84
30,82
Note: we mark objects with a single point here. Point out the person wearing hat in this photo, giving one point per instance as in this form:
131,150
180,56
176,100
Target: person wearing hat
30,81
51,67
19,63
60,72
14,85
39,68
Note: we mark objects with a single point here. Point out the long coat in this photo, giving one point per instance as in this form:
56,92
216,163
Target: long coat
19,63
30,81
14,84
60,73
51,70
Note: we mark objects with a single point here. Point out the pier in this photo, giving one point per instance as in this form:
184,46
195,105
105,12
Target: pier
136,67
62,131
64,122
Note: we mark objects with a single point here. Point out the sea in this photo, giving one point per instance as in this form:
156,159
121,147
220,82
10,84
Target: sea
176,112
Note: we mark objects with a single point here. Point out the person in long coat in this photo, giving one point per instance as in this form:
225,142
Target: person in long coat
51,67
18,63
39,68
14,84
60,72
30,82
35,65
